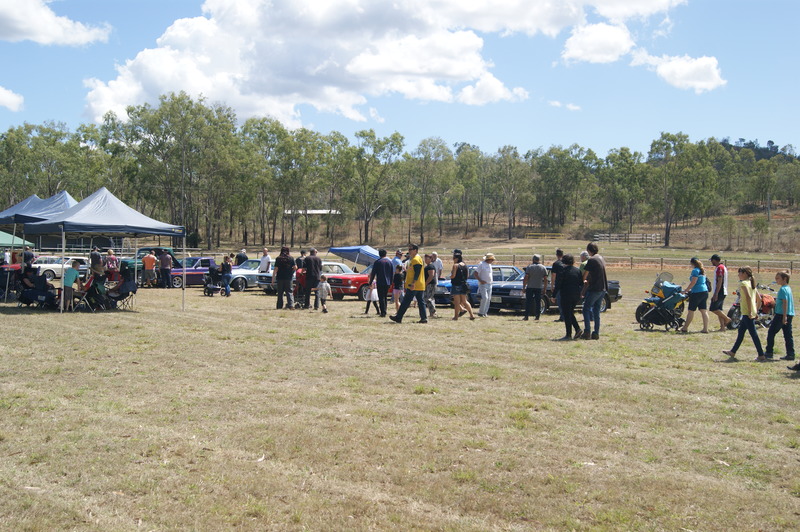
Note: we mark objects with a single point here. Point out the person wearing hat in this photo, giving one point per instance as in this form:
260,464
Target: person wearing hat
483,273
698,295
719,289
398,259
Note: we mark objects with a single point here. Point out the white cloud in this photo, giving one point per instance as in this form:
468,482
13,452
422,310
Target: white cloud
568,106
598,43
11,100
698,73
554,103
269,57
373,114
573,107
33,20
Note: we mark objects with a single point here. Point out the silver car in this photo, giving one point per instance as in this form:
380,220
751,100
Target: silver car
245,275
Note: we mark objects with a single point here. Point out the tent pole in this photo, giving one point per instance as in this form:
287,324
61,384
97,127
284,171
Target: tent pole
63,256
135,257
8,272
183,285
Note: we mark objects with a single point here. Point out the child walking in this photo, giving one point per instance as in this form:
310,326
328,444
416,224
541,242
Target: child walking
372,297
749,308
324,292
784,312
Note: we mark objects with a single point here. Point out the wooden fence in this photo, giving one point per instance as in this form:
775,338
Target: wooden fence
629,238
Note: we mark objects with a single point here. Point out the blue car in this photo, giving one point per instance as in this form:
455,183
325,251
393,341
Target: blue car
500,273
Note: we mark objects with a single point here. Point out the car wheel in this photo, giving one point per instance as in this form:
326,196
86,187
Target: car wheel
49,275
604,304
362,292
177,281
545,304
239,284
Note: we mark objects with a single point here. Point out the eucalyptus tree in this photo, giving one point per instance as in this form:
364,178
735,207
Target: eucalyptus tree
510,174
15,169
430,165
375,161
472,181
336,181
49,167
668,156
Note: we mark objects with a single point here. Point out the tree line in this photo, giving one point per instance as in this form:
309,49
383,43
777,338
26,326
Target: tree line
190,163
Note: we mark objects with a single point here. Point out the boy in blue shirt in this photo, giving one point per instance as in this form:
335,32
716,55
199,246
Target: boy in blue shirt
784,311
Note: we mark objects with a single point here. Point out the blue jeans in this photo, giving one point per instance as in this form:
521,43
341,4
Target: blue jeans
774,327
591,310
226,282
748,325
407,297
533,302
485,293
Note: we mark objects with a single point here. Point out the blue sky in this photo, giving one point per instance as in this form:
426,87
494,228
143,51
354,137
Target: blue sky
600,73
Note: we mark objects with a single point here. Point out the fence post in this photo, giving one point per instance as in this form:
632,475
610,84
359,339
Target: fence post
631,263
514,259
791,264
758,266
662,264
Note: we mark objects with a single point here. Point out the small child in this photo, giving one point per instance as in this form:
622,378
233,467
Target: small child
324,291
397,286
784,311
372,297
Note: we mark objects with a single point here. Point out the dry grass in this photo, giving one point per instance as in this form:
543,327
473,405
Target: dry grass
235,415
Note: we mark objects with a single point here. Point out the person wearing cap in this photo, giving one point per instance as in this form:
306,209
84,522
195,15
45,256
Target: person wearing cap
414,285
483,273
535,283
698,295
241,257
96,261
719,289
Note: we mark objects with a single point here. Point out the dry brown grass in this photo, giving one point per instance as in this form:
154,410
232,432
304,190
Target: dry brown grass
236,415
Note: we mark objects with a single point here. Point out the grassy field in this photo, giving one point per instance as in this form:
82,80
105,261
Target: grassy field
236,415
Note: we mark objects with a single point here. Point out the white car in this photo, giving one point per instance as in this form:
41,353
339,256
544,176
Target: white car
52,266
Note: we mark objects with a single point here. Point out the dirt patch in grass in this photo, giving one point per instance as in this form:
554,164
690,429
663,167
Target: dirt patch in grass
234,414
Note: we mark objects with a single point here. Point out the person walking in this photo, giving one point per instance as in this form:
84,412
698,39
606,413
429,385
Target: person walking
397,286
595,286
430,285
719,289
571,288
535,282
226,271
165,269
323,291
555,270
313,267
459,287
381,275
372,298
265,264
483,273
748,304
282,277
698,295
782,321
414,285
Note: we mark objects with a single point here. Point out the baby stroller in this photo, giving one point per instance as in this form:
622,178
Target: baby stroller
664,306
212,282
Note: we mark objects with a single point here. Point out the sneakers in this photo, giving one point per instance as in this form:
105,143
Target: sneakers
730,353
422,321
796,367
324,311
525,318
564,338
396,319
578,334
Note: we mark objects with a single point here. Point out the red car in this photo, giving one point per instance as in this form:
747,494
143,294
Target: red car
344,281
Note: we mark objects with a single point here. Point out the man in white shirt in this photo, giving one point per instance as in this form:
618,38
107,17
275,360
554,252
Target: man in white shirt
266,262
483,273
437,263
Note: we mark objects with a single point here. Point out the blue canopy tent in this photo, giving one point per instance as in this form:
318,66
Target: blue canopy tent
102,213
10,215
365,255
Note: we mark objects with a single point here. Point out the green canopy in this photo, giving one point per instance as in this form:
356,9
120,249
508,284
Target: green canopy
6,241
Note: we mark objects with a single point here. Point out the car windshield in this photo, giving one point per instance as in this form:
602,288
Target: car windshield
250,264
190,262
336,268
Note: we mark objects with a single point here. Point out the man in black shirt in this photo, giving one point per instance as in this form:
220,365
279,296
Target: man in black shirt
282,277
431,280
27,256
313,265
595,286
241,257
96,261
300,261
555,270
382,273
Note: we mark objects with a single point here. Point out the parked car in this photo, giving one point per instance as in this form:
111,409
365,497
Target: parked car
52,266
343,280
510,295
136,261
500,273
245,275
196,268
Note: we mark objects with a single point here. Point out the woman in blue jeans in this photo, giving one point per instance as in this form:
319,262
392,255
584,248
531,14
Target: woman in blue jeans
749,308
225,269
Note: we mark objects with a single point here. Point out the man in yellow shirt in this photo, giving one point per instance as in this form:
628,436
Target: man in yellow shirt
414,285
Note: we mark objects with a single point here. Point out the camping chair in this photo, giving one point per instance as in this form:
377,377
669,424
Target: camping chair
125,296
94,294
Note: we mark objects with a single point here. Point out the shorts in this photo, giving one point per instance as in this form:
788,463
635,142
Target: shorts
717,305
698,300
459,289
149,275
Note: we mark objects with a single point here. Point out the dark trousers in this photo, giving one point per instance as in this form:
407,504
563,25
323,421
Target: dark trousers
774,327
166,278
533,301
284,286
570,322
407,297
560,309
748,325
311,284
383,291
